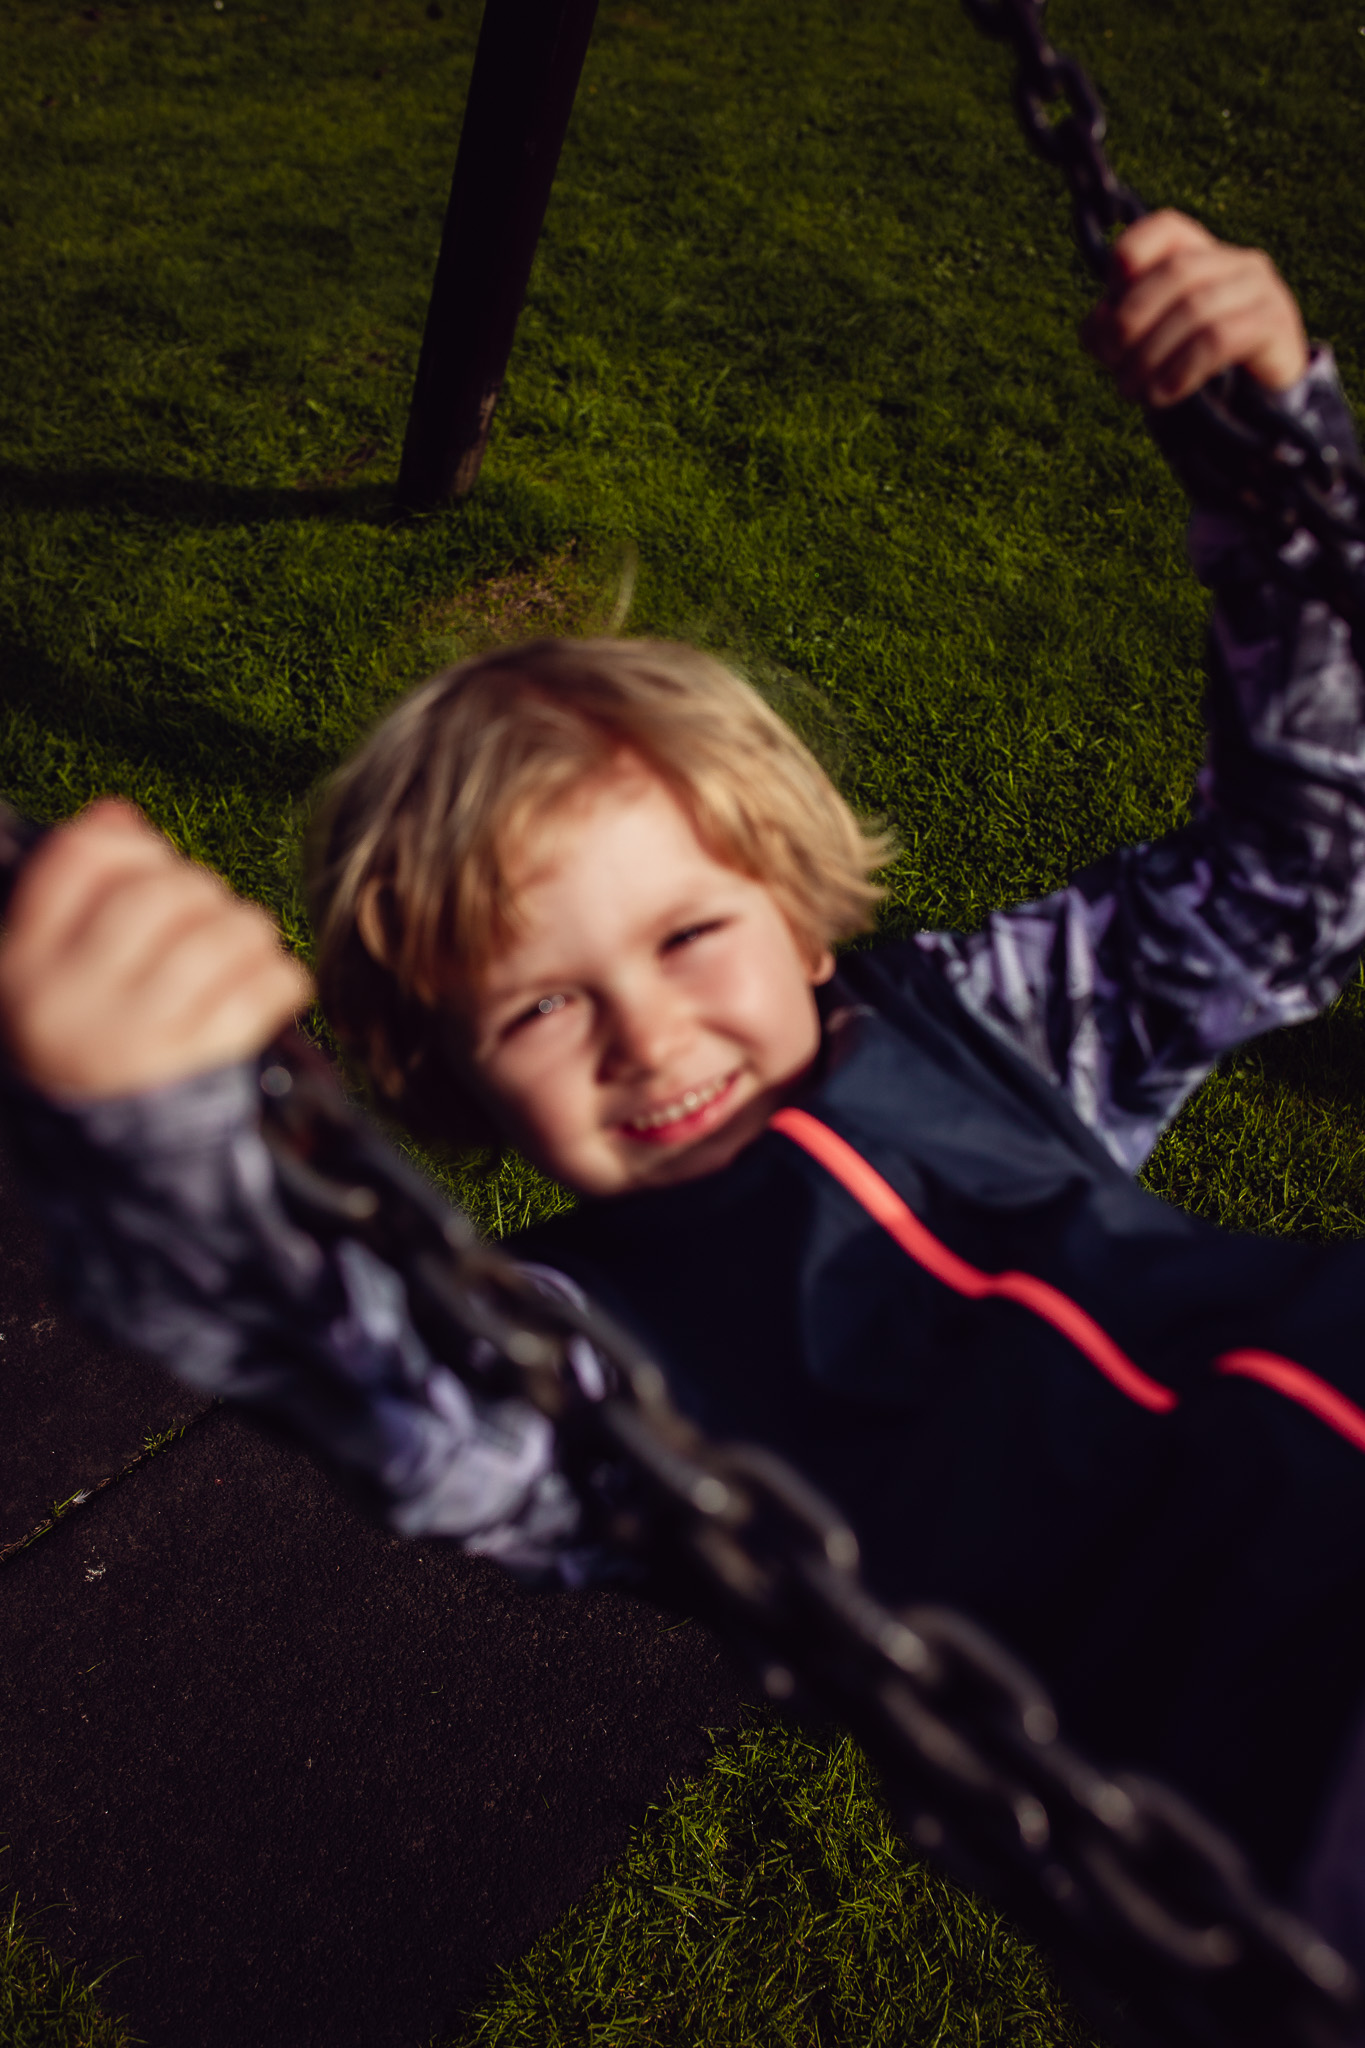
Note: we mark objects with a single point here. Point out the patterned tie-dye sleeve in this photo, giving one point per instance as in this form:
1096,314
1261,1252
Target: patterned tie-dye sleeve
1126,986
164,1219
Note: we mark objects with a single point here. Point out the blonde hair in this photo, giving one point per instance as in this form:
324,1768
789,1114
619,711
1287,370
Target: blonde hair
409,856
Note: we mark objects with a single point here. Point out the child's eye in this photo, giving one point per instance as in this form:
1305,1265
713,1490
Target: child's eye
546,1007
690,932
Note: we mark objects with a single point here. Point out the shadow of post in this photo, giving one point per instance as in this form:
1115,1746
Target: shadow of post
192,501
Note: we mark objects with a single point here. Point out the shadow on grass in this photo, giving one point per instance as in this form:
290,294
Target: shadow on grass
166,716
1323,1060
192,501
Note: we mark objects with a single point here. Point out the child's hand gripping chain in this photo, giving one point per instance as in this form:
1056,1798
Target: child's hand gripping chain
1182,307
126,968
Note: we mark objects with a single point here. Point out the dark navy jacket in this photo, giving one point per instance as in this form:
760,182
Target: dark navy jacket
1192,1584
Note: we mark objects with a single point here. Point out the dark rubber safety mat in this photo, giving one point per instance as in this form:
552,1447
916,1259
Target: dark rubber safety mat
315,1782
72,1412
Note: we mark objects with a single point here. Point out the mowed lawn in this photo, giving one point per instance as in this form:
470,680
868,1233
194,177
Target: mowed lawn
799,359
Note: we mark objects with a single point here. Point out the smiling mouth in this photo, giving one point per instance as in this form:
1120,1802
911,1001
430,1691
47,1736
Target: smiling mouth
681,1117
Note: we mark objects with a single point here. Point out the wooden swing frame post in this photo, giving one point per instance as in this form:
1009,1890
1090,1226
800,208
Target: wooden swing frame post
526,69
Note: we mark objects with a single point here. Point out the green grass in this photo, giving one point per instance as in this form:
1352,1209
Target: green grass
48,2004
800,341
775,1892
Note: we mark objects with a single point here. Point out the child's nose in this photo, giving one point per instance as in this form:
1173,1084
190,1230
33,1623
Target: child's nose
646,1035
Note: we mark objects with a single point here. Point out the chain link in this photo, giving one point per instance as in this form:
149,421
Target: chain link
1228,441
1137,1896
1044,81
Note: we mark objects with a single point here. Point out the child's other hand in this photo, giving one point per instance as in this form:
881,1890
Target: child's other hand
1182,306
125,968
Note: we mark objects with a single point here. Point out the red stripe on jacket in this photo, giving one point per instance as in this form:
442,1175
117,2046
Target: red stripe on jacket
877,1196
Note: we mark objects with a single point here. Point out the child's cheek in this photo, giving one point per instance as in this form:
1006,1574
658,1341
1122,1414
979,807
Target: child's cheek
544,1101
772,1008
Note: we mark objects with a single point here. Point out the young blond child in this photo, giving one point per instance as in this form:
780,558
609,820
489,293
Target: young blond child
583,898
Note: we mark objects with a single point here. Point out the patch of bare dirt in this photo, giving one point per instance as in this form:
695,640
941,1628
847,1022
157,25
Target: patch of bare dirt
561,595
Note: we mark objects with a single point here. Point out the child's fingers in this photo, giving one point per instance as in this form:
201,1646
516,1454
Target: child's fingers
245,1009
143,918
1190,325
99,951
66,877
126,967
204,986
1192,278
1189,308
226,995
1153,239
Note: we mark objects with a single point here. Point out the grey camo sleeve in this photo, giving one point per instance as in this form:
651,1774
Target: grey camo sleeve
1126,986
168,1233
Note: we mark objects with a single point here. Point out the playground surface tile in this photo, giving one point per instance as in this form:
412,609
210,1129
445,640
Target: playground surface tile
74,1413
315,1783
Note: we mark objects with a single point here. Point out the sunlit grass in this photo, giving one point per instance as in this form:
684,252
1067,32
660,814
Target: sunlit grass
768,1905
45,2003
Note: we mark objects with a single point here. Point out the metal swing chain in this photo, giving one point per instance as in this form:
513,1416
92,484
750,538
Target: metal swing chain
1044,79
1229,438
1134,1892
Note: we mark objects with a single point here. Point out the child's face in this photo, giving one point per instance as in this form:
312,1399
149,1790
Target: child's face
654,1008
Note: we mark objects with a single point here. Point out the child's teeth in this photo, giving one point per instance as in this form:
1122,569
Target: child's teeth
686,1105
